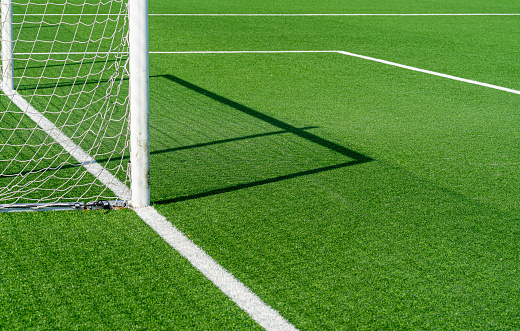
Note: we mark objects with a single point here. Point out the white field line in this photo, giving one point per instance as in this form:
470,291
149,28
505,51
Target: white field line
259,311
403,66
239,52
102,174
429,72
432,14
264,315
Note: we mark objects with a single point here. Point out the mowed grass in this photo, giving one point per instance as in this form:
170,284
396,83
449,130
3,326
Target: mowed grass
97,271
346,194
422,236
332,6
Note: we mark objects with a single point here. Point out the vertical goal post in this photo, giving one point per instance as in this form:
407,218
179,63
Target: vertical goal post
132,60
139,103
7,45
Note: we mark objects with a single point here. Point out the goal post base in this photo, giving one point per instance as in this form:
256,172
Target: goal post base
64,206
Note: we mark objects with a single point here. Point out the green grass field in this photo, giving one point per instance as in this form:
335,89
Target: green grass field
347,194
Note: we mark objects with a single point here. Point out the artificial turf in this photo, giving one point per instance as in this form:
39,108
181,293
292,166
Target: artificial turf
332,7
97,271
422,235
347,194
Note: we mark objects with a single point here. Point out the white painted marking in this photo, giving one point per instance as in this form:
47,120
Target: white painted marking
469,81
102,174
240,52
432,14
264,315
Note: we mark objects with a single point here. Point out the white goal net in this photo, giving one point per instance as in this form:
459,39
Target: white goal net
65,103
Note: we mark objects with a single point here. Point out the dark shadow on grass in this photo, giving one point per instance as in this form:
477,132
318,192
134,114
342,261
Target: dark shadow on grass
357,158
271,120
216,142
257,183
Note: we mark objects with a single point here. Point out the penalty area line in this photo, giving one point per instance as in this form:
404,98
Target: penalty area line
429,72
239,52
364,57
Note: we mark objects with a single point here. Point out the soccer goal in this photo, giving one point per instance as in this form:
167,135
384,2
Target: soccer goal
74,104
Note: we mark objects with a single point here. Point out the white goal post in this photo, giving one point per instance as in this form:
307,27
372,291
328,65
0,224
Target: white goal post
78,71
139,103
7,45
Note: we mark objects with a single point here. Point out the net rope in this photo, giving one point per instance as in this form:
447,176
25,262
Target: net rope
70,65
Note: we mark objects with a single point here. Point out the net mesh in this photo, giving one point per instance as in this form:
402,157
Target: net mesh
70,96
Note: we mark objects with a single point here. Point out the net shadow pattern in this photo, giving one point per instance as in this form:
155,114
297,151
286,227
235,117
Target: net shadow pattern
351,157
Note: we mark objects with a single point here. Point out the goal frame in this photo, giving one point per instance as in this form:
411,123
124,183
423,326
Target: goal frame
139,103
138,61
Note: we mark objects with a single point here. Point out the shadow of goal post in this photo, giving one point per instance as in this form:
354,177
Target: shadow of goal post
139,91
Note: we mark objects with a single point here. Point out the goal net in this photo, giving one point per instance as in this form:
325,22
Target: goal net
65,131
